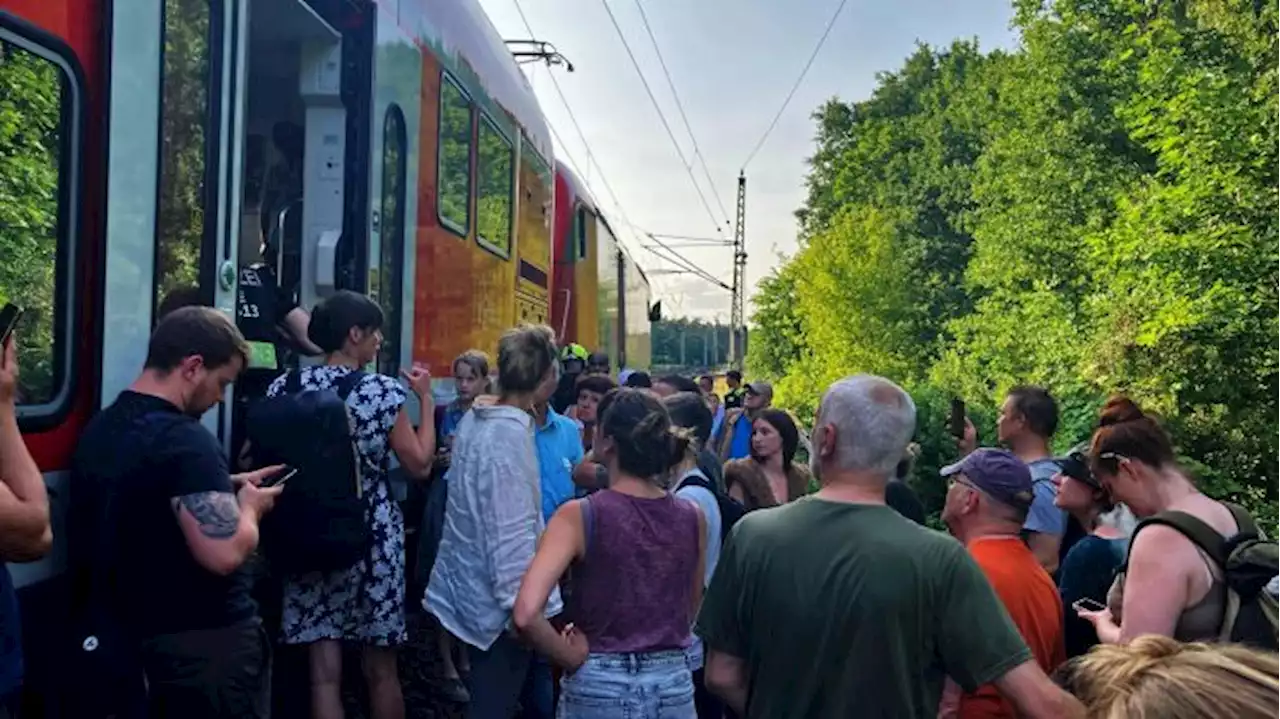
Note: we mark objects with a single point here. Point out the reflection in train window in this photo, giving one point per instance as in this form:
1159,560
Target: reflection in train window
454,170
389,288
37,122
182,229
493,196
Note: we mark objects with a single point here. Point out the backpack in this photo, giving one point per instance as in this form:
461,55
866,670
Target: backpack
731,510
1248,561
318,523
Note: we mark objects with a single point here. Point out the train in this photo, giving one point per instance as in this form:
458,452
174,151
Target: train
602,297
392,147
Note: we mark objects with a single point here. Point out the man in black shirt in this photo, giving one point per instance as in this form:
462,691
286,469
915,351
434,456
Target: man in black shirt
160,531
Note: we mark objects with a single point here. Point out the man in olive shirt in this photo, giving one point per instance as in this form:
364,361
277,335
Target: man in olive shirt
835,605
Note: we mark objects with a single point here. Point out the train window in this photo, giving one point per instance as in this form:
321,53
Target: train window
453,185
39,120
391,247
580,220
494,162
183,224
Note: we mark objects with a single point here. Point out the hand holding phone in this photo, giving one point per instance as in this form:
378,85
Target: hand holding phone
1085,604
9,317
8,355
957,418
279,479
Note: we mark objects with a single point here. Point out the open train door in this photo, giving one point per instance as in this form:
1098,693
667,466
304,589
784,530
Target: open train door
173,166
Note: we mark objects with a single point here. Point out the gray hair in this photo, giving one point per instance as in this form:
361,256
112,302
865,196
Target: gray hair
525,355
874,420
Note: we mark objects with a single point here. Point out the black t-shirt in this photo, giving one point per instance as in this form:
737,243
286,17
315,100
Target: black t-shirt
900,496
261,308
133,459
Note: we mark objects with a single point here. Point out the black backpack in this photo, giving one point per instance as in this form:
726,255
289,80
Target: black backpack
1248,561
319,521
731,510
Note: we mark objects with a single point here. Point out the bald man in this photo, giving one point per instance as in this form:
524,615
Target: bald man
874,623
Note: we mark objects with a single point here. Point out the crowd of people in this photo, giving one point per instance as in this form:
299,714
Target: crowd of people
599,546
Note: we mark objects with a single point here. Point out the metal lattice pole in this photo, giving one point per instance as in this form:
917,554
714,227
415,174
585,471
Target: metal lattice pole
737,323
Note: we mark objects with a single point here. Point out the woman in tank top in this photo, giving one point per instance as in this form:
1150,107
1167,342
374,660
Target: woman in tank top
1170,587
638,554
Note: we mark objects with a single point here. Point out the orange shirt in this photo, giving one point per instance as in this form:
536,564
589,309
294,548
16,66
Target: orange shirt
1032,600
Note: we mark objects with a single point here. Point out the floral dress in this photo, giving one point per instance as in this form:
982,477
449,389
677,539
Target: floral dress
364,603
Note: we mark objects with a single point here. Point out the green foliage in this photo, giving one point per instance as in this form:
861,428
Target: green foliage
1095,212
180,214
30,135
685,345
454,180
494,197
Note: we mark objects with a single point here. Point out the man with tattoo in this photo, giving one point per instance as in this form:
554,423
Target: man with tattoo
160,531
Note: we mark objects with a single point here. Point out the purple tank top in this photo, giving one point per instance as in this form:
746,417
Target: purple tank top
632,591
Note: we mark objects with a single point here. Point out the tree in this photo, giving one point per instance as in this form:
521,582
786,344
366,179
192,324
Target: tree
1095,212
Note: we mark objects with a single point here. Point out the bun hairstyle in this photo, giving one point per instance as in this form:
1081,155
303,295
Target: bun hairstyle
786,427
1156,677
1124,430
333,319
645,441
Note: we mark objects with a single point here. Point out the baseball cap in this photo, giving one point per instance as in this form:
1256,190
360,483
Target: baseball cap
760,388
1076,465
998,473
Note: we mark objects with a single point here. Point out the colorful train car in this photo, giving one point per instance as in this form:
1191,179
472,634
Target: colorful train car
601,299
390,147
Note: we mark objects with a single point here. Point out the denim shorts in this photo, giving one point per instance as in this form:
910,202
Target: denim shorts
654,685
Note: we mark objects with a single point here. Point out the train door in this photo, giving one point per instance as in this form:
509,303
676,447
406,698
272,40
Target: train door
393,177
172,172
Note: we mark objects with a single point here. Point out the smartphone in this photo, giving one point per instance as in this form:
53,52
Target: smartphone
957,418
1085,604
281,478
8,320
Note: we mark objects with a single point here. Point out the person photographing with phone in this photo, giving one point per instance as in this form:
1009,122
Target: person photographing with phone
25,534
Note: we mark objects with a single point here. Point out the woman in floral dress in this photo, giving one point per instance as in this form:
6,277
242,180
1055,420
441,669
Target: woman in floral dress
363,603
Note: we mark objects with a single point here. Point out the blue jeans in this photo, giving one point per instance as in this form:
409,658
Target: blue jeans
655,685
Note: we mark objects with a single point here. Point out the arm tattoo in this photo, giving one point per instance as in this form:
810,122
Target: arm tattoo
217,513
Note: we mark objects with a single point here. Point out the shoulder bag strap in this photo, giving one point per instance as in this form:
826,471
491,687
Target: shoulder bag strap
1244,521
345,386
293,381
588,524
1204,536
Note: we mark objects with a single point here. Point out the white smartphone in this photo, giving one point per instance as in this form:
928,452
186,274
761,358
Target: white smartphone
1085,604
280,479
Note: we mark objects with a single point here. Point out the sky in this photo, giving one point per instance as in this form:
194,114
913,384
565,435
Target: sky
732,63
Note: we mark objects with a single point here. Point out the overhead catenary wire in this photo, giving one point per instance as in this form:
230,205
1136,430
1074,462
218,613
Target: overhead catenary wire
796,85
688,166
679,259
697,152
573,119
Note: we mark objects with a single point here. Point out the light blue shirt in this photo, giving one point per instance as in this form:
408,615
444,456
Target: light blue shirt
1044,517
717,420
740,445
559,446
706,501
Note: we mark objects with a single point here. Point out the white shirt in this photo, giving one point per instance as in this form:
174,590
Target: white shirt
492,521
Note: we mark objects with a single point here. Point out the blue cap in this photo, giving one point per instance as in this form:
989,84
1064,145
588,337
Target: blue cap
998,473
